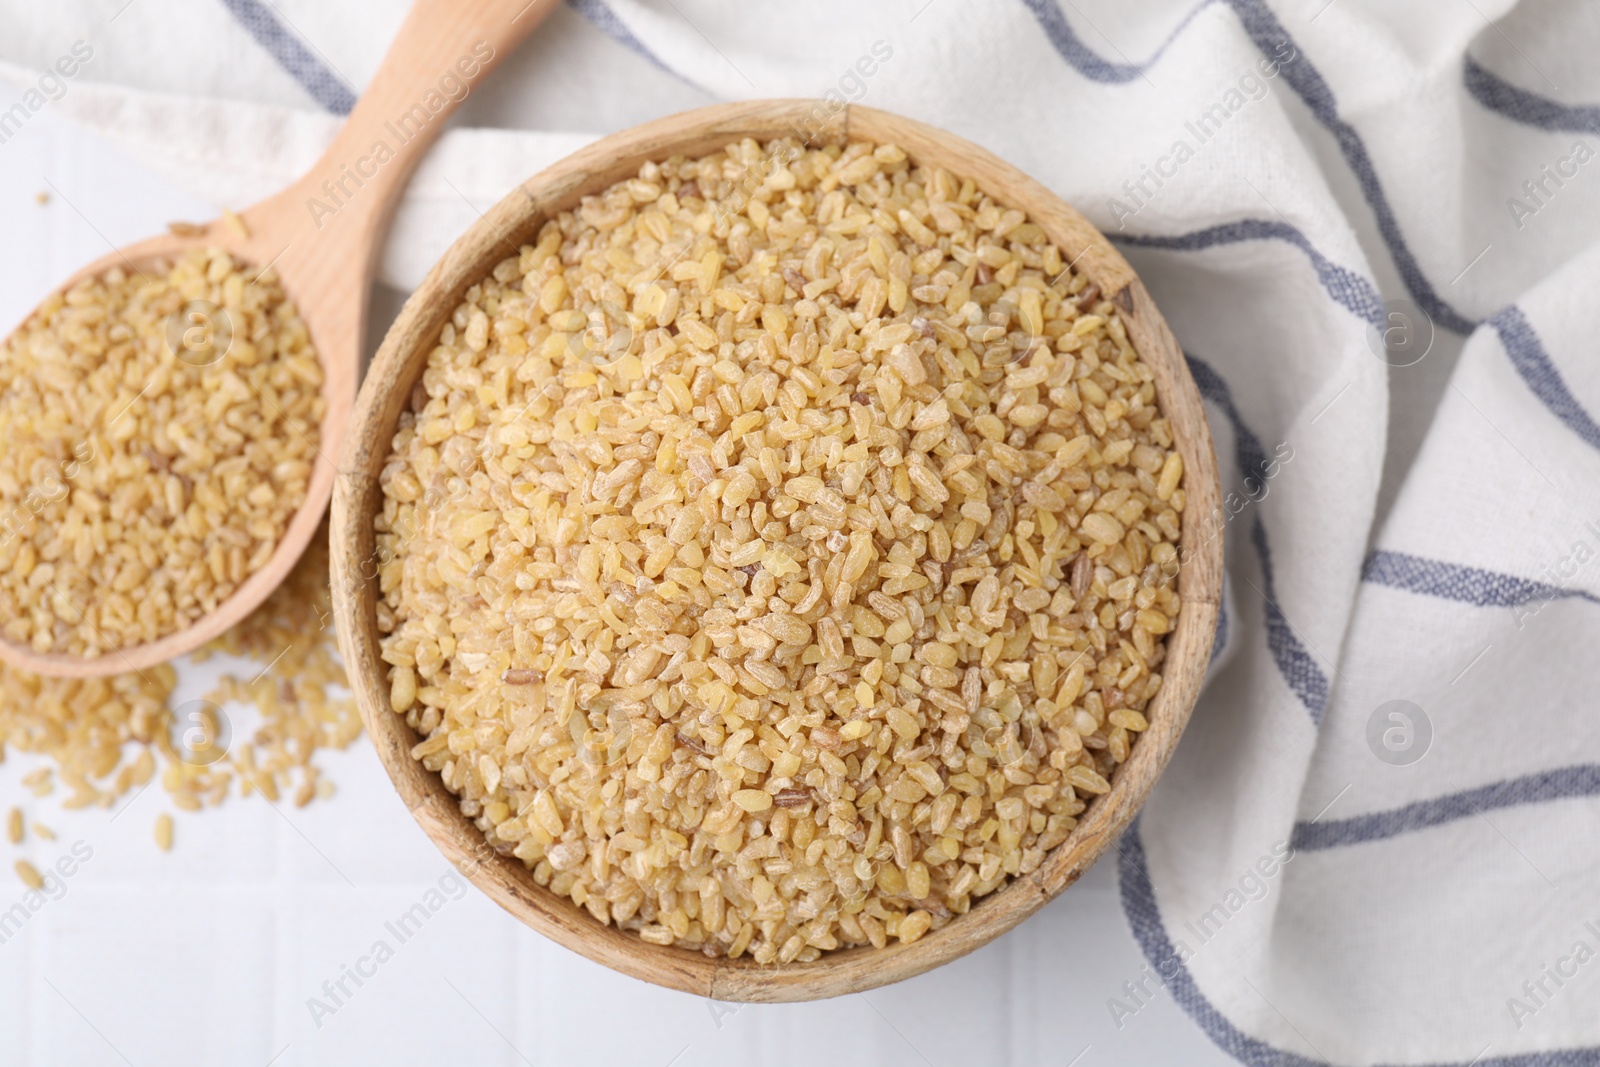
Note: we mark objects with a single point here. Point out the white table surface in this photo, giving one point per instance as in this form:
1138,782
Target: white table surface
208,955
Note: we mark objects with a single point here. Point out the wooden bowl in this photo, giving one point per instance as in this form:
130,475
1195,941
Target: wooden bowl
357,498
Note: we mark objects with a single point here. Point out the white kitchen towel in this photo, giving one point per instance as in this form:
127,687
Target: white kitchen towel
1372,225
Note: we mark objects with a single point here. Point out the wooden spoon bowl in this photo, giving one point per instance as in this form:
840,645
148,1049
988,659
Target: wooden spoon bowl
322,236
357,499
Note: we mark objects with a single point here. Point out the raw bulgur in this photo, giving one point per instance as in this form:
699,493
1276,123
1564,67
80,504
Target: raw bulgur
777,553
160,433
105,737
163,832
29,874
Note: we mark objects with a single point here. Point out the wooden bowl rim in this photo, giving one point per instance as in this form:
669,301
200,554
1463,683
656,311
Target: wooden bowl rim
357,496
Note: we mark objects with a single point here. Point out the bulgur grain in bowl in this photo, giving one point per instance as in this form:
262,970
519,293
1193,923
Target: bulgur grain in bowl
774,548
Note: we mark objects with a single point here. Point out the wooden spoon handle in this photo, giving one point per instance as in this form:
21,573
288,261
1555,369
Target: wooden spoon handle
443,52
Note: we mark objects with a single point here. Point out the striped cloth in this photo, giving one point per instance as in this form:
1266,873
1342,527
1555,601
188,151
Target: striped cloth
1373,228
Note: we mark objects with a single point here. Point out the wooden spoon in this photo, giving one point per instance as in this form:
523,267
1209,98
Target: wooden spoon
322,236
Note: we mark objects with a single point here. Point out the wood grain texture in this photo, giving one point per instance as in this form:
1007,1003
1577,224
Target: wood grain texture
357,498
325,256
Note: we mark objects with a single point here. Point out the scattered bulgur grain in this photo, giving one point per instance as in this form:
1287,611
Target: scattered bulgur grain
160,433
38,782
293,632
163,832
29,874
84,726
768,545
44,832
14,826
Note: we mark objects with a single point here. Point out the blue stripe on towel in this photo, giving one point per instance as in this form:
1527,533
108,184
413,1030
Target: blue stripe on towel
1345,286
1270,37
1083,58
1563,783
1534,365
1144,918
1455,581
1519,105
324,86
609,23
329,90
1300,671
1249,454
1296,664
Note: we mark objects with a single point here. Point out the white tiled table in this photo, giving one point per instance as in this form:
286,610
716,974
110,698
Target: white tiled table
210,954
